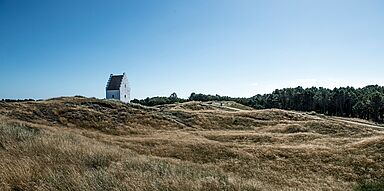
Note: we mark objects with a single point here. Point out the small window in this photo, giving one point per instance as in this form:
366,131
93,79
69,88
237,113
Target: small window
125,85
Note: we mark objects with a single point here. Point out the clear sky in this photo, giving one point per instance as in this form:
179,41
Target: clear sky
51,48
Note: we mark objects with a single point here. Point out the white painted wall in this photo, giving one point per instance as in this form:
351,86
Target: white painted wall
125,90
113,94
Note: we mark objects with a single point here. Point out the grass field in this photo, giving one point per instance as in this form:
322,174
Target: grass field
90,144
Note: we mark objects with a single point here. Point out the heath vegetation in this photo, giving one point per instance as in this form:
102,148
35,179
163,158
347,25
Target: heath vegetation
76,143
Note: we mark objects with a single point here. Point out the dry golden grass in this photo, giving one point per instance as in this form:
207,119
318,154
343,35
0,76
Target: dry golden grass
35,159
90,144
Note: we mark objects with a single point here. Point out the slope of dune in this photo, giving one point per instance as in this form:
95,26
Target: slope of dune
75,143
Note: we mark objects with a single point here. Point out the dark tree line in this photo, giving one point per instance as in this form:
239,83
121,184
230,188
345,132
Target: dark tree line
16,100
160,100
366,103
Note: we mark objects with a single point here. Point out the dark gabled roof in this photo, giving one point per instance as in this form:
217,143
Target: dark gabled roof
114,82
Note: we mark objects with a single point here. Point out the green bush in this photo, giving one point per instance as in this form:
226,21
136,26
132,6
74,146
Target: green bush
371,186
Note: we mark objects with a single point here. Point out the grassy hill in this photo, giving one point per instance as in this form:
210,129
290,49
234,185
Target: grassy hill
74,143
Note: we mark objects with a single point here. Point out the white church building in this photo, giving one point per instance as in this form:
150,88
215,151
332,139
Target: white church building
118,88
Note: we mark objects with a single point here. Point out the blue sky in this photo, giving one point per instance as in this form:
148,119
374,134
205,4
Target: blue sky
51,48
